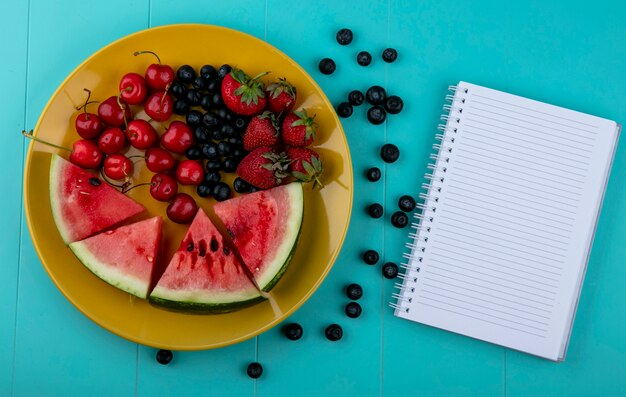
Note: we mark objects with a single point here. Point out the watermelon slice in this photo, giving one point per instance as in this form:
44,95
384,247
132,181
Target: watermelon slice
83,205
265,227
204,276
123,257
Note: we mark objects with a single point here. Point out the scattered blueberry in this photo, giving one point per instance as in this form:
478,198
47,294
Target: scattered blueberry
193,153
389,153
178,89
334,332
193,96
210,120
221,191
164,356
193,118
208,72
353,310
390,270
240,123
212,177
201,134
204,189
394,104
354,291
327,66
293,331
186,74
209,151
344,36
199,83
344,109
406,203
254,370
373,174
213,165
375,210
356,98
229,164
364,58
223,71
371,257
223,148
241,186
376,95
181,107
390,55
376,115
399,219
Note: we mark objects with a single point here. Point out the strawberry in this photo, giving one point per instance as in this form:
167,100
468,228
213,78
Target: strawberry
281,96
263,168
261,131
243,94
298,129
305,165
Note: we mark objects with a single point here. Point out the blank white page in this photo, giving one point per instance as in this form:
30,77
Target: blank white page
509,221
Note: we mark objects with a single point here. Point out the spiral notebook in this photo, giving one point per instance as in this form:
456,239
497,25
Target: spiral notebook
501,241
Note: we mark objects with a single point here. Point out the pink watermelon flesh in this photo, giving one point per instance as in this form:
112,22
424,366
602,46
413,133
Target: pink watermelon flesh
123,257
265,226
82,208
204,276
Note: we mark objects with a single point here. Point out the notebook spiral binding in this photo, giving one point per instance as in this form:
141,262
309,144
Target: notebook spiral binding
426,210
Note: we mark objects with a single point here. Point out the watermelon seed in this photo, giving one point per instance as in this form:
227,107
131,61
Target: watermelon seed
202,248
226,251
149,259
94,181
190,246
214,245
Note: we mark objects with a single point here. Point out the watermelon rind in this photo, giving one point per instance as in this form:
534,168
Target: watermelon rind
201,305
55,171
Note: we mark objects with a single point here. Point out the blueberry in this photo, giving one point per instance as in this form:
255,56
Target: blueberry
217,135
199,83
390,55
327,66
204,189
344,109
181,106
406,203
216,100
223,71
239,153
376,115
205,102
241,186
212,177
354,292
210,120
344,36
193,118
222,113
201,134
373,174
221,191
394,104
364,58
390,270
356,98
399,219
213,165
240,123
376,95
193,153
371,257
293,331
178,89
208,72
375,210
229,164
389,153
334,332
254,370
235,141
224,148
353,310
228,130
209,151
164,356
186,74
193,97
214,86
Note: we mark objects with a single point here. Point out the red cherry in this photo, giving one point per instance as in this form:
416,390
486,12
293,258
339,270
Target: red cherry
117,166
112,140
141,134
158,76
189,172
86,154
112,112
159,160
88,125
159,106
182,209
133,89
163,187
177,138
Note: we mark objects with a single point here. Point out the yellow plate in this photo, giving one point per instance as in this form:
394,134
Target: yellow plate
326,216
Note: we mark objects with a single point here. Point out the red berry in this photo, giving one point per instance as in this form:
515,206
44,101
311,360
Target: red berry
117,166
88,125
112,140
158,76
112,112
159,106
163,187
159,160
141,134
177,138
133,89
182,209
86,154
189,172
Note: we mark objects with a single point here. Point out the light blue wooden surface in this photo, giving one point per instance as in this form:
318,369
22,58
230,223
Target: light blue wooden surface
569,53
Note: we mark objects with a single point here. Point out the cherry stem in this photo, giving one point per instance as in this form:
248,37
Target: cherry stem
119,102
29,135
148,52
109,182
132,187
